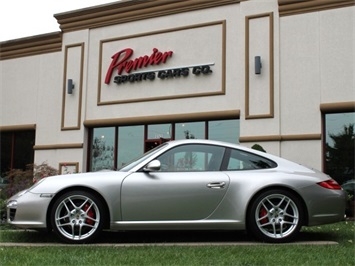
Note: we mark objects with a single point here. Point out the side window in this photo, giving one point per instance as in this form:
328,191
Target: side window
192,158
241,160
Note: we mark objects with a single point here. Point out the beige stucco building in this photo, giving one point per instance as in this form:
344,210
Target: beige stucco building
146,68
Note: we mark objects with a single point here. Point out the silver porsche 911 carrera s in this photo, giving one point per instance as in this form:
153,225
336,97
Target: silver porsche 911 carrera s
184,185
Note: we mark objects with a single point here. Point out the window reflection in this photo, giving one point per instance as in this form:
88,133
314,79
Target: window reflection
240,160
340,138
130,144
192,130
159,131
224,130
102,152
192,158
107,152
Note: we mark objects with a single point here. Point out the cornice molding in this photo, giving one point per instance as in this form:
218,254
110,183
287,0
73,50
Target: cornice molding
18,127
228,114
295,7
39,44
337,107
127,11
59,146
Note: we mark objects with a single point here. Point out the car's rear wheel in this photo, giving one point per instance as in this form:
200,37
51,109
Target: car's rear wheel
77,217
275,216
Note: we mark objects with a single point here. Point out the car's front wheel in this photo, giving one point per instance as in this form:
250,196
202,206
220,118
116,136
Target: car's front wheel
275,216
77,217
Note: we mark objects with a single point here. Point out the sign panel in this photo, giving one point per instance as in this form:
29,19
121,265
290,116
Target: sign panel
167,64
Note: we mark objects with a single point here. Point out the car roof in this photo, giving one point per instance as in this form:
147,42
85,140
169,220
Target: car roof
278,160
203,141
213,142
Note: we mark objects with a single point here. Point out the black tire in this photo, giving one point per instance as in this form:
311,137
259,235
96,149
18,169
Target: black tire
77,217
275,216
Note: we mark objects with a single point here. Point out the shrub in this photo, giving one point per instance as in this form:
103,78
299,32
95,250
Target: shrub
20,179
43,170
258,147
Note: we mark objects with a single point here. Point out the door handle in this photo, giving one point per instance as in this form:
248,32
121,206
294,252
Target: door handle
216,185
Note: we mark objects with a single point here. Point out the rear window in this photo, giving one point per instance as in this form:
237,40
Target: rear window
241,160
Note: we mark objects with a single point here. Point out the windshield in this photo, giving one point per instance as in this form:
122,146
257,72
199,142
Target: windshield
140,159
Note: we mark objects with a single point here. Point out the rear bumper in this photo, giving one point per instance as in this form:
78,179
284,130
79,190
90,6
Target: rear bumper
326,208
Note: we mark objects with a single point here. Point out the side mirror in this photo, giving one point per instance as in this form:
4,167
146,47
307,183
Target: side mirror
153,166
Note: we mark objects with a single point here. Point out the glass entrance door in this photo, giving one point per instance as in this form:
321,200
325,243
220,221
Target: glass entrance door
156,135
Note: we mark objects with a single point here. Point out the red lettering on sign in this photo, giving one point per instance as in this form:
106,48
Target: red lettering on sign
121,61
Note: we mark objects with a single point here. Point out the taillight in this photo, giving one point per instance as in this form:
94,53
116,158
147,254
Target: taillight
330,184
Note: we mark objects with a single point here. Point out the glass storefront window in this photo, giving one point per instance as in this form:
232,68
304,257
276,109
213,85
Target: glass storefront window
192,130
339,146
224,130
159,131
103,148
130,144
109,151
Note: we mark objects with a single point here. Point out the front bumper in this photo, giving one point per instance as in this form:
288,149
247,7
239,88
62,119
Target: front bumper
28,210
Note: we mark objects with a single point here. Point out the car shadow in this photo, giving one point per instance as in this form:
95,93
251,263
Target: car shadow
166,237
155,237
211,237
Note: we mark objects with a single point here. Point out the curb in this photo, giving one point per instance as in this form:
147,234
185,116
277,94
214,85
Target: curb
187,244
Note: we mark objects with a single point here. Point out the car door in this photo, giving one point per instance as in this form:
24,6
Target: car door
189,186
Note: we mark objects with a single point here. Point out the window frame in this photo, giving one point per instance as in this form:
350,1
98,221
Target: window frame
329,109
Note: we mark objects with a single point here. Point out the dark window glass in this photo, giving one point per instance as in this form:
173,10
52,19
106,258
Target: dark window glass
192,158
339,146
241,160
23,149
16,150
6,151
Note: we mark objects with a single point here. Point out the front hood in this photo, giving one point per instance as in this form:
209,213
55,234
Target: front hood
95,180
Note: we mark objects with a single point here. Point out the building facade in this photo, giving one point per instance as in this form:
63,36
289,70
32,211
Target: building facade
121,78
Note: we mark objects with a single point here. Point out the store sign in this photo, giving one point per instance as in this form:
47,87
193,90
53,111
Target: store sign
171,63
124,65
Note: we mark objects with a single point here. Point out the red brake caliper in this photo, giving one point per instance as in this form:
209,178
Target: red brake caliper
262,213
90,214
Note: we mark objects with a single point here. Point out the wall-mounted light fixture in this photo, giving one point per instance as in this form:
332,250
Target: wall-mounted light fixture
258,65
70,86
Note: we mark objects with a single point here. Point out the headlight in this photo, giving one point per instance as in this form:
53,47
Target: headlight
12,204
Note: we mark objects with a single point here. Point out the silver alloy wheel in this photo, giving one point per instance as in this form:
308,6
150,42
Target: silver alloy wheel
77,217
277,216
